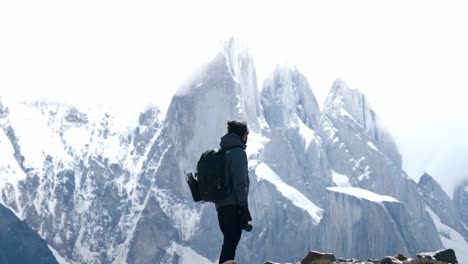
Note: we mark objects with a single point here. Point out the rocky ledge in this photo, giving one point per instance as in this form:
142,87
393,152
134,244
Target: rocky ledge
439,257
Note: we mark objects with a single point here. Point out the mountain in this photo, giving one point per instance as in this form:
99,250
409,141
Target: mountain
442,205
71,175
363,153
19,243
447,214
101,191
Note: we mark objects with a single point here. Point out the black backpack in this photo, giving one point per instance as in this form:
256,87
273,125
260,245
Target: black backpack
209,182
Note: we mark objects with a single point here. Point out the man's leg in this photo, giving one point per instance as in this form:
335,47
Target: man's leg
229,222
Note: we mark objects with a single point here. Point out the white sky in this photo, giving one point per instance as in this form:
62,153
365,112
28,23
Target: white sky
410,58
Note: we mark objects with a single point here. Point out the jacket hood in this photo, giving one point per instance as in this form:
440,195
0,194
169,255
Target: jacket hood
232,140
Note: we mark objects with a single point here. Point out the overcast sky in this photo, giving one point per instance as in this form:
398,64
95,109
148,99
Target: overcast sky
410,58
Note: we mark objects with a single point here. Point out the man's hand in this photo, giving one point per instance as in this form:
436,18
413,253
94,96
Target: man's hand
245,218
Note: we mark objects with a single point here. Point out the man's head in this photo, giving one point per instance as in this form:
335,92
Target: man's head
240,128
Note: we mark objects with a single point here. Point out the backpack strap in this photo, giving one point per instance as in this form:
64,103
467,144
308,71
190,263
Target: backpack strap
229,148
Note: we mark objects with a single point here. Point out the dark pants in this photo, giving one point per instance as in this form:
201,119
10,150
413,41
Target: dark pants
229,219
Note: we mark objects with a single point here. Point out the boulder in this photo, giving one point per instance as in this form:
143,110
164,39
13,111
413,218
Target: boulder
401,257
445,255
314,255
390,260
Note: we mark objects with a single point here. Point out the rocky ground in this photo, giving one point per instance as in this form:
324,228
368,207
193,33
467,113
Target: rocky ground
439,257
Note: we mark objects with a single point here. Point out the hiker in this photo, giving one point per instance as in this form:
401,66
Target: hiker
233,211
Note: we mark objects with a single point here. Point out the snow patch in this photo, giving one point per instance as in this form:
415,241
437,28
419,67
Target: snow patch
366,174
57,256
255,144
372,146
187,255
306,133
36,138
449,237
340,180
345,113
264,172
184,218
363,194
10,171
77,138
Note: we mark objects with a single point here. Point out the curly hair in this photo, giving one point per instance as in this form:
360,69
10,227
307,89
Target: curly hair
238,127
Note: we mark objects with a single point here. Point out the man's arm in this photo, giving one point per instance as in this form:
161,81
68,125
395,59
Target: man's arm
239,173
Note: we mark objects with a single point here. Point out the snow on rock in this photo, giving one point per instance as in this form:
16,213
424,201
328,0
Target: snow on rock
305,132
363,194
286,95
35,136
372,146
184,218
340,180
256,143
450,238
264,172
348,109
57,256
187,255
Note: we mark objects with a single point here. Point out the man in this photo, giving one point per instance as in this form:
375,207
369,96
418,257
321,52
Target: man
233,212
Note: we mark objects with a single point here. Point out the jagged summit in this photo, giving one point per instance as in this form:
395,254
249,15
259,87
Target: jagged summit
286,95
227,85
342,98
350,106
237,55
441,204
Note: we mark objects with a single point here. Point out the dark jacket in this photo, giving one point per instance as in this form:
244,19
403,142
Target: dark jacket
237,171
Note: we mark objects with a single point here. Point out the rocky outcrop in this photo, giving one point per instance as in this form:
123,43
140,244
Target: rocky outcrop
352,212
440,257
442,205
19,243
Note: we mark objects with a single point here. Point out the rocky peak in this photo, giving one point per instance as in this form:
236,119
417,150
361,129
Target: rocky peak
426,182
150,116
286,94
439,202
351,102
349,106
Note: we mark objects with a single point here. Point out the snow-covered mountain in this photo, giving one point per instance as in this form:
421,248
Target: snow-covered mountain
99,191
72,176
447,214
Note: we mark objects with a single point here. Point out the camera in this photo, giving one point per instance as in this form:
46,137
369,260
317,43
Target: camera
247,227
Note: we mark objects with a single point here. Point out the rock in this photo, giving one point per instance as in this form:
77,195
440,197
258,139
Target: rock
401,257
445,255
314,255
345,260
230,262
271,262
390,260
425,256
